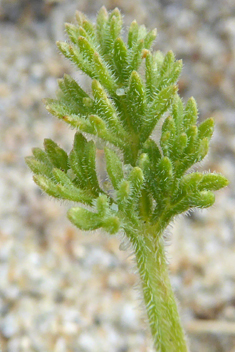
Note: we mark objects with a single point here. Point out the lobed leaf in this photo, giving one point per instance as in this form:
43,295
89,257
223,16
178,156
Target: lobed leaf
150,185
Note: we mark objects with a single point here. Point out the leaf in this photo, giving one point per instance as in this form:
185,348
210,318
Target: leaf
178,113
190,115
212,182
61,177
157,109
123,192
165,175
203,199
179,146
136,179
84,219
59,191
57,155
103,74
38,167
101,25
71,89
168,136
111,224
135,56
42,156
105,109
151,75
169,71
115,22
136,101
86,49
206,129
73,32
133,34
120,59
149,38
83,162
114,167
102,205
89,164
167,63
152,150
74,55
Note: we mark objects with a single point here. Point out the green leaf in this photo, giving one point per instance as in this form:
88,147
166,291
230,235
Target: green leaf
115,21
123,192
157,109
106,110
98,125
101,25
168,136
136,179
151,75
169,71
153,152
178,113
86,49
73,32
42,156
167,63
114,167
192,134
83,163
203,199
102,205
38,167
61,177
179,146
102,19
203,149
189,183
57,155
80,18
111,224
73,54
120,59
149,38
190,116
206,129
135,56
84,219
136,101
59,191
89,28
103,74
133,34
72,89
85,24
212,182
89,164
165,175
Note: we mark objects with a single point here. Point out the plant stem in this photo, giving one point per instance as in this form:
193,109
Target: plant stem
162,310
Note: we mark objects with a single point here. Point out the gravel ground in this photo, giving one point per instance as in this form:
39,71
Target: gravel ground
62,290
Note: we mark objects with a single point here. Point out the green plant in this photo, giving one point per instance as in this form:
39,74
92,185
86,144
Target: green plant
149,181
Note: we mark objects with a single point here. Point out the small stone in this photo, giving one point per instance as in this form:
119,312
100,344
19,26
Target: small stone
9,326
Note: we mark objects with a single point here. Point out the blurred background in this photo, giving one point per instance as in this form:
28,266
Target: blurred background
63,290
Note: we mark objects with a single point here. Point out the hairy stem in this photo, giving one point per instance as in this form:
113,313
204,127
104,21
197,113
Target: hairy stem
162,310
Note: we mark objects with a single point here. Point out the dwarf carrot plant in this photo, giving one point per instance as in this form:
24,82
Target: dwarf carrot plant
149,180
